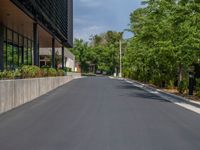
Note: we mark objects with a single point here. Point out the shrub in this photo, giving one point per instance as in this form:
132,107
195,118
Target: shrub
7,75
52,72
66,69
197,87
31,72
60,72
17,73
45,72
170,84
182,87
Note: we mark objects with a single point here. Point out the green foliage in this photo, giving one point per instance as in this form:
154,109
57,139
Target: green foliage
182,87
31,72
67,69
52,72
102,52
165,43
60,72
6,75
80,50
198,87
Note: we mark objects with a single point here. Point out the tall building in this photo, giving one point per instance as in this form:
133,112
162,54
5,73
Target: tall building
27,25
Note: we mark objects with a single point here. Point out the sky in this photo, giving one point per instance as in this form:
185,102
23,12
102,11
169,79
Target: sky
97,16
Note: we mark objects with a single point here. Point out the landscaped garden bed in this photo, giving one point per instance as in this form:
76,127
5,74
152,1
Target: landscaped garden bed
31,72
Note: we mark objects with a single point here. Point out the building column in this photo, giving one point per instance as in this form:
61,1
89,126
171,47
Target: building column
53,53
63,57
1,47
35,44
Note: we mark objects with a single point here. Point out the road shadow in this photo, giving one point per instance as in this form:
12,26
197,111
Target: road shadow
137,92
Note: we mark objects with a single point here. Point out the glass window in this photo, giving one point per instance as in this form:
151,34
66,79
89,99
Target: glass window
15,57
25,52
29,53
20,55
9,56
5,56
17,50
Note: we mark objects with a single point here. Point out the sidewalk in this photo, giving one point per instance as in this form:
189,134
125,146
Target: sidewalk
178,100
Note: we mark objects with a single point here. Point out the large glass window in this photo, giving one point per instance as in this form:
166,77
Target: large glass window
17,50
29,52
5,56
9,56
15,57
20,55
25,52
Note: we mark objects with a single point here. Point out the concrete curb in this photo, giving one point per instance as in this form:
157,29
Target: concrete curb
168,96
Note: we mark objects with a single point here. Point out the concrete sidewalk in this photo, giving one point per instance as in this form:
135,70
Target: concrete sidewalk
181,101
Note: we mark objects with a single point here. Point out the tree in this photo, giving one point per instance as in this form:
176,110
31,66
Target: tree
165,42
80,50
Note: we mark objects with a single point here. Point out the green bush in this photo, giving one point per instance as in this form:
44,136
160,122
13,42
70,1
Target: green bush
66,69
52,72
5,75
60,72
182,86
197,87
31,72
45,72
170,84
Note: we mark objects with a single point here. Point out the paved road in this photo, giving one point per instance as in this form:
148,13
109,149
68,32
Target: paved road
99,114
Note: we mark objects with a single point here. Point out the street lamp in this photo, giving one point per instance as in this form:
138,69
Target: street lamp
120,54
120,58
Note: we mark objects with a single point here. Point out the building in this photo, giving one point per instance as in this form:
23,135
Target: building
69,58
28,25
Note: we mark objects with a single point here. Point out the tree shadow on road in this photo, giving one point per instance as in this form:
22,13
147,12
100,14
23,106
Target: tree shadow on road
139,93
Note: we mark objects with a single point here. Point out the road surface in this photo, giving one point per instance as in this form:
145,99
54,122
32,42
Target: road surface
99,114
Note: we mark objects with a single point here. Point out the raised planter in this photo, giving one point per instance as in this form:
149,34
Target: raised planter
14,93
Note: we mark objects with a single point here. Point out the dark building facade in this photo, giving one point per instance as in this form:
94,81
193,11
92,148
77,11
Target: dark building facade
27,25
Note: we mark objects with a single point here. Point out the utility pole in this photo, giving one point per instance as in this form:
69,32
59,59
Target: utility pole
120,58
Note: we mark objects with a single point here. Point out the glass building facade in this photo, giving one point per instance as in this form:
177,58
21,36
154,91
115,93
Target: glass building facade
28,25
55,15
18,50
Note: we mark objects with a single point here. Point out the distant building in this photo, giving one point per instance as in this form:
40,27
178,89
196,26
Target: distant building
28,25
69,58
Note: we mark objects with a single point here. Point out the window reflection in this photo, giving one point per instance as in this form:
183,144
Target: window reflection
17,50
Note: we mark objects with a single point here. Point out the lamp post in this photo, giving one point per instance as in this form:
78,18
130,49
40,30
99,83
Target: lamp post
120,58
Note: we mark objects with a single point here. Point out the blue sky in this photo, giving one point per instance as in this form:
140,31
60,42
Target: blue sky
96,16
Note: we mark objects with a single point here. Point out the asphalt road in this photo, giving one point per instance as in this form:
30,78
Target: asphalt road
99,114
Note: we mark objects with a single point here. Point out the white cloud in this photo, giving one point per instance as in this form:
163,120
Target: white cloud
81,21
91,3
85,33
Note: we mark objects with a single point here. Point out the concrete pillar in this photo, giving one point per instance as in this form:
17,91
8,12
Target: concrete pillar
35,44
1,47
53,53
63,57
